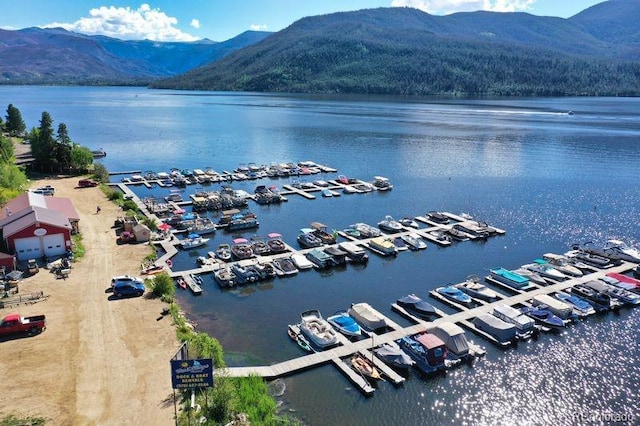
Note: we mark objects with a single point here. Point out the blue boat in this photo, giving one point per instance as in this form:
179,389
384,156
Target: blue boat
345,324
455,295
580,306
510,278
543,316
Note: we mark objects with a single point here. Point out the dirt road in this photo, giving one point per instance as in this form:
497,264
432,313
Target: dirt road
100,361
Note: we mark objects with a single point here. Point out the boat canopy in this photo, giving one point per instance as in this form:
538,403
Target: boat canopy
240,241
453,336
501,330
558,307
318,225
274,235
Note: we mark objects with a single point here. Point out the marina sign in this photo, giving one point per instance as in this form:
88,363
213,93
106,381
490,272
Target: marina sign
192,373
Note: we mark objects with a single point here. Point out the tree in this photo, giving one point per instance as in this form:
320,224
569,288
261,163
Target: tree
81,157
6,150
15,124
43,147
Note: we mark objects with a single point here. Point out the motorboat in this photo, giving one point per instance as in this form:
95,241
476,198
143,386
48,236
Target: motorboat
400,244
242,249
427,350
244,274
345,324
474,288
544,316
202,226
259,246
265,270
364,367
383,246
351,231
457,234
224,277
322,231
417,306
193,241
545,270
355,252
632,283
558,307
562,264
525,326
390,225
623,296
301,262
338,256
223,252
326,192
414,241
534,277
409,222
394,356
440,235
599,300
503,332
454,339
275,243
284,266
308,239
438,217
319,258
510,278
475,229
366,230
620,250
592,259
580,306
317,329
367,317
455,295
382,183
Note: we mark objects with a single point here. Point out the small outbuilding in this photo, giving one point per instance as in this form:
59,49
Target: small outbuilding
7,262
141,232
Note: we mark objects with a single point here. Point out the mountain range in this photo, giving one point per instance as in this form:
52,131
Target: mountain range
382,51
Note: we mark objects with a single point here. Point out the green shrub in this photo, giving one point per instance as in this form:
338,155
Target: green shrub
129,205
162,285
114,195
100,172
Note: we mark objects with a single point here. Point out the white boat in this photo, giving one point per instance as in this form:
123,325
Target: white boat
301,262
383,246
345,324
193,241
621,250
525,326
561,263
390,225
545,270
367,317
534,277
503,332
409,222
382,183
355,253
414,241
317,329
474,288
366,230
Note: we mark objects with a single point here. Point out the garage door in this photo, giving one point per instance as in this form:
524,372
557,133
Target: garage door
28,248
53,245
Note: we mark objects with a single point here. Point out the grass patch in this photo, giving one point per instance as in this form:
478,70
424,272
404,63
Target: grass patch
12,420
77,247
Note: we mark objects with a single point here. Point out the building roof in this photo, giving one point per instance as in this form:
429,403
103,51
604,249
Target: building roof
26,203
36,216
6,256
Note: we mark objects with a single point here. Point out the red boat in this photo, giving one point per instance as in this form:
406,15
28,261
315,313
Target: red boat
181,283
625,279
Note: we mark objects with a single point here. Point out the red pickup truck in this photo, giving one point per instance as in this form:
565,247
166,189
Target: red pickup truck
15,324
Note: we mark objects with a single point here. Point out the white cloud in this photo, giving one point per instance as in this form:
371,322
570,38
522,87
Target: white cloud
258,27
195,23
129,24
444,7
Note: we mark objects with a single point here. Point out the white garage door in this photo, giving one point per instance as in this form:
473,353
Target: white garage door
28,248
53,245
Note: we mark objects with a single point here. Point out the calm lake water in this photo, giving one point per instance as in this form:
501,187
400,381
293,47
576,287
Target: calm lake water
547,177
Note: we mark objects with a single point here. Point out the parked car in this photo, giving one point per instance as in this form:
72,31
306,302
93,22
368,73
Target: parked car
44,190
87,183
128,288
32,266
125,279
15,324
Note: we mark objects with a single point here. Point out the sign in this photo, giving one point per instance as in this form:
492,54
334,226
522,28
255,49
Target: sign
192,373
39,232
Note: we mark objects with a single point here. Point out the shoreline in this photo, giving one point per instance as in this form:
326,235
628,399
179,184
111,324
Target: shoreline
100,360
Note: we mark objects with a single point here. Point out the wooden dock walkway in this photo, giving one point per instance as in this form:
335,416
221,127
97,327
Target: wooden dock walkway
464,317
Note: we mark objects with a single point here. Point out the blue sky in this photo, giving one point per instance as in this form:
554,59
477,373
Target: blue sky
219,20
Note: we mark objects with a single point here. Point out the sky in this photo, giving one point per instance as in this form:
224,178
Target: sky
220,20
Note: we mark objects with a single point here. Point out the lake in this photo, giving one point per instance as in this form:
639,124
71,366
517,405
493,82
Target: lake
549,177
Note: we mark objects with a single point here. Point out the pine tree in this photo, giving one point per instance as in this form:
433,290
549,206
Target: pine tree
15,124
